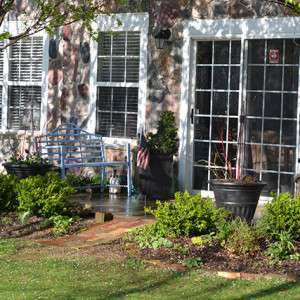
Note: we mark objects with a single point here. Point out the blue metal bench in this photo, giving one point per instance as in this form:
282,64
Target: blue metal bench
69,146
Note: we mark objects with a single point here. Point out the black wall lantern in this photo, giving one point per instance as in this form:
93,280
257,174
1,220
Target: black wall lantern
160,38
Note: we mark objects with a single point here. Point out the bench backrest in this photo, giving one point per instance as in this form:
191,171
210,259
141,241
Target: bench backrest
79,145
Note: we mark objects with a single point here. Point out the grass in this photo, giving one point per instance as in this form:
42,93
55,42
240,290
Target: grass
26,274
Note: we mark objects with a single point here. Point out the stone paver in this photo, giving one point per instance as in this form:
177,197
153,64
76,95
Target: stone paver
98,234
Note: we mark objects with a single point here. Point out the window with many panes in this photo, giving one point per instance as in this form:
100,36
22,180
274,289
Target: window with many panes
25,84
118,67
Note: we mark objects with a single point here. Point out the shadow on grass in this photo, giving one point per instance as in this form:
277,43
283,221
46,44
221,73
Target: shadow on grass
286,286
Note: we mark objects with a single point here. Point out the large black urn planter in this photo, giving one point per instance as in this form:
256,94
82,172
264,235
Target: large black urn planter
26,170
156,182
240,198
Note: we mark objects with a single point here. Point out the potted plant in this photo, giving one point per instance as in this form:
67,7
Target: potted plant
156,182
235,191
27,165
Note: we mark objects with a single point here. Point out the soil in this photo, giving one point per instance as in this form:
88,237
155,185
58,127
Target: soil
213,256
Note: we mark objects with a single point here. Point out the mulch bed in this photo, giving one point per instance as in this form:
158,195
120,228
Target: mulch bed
216,258
213,256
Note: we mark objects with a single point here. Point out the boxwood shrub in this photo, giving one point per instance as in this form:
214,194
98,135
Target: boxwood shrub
8,192
187,216
44,195
282,214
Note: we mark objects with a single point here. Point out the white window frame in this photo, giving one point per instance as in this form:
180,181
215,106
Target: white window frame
15,27
130,22
226,29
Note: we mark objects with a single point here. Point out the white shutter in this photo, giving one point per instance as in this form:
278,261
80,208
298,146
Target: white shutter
26,59
24,107
118,62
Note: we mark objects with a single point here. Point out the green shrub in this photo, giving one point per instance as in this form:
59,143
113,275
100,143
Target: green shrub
282,213
8,192
187,216
240,237
62,224
283,248
44,195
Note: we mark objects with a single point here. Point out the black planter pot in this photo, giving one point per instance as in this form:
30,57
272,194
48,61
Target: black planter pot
156,182
24,170
240,198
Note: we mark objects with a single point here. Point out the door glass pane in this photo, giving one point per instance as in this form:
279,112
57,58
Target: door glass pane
291,78
290,105
254,104
273,78
220,78
256,52
221,52
204,53
255,78
272,152
202,128
273,105
203,80
202,103
220,103
235,52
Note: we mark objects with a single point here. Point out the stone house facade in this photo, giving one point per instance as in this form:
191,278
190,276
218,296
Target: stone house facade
225,61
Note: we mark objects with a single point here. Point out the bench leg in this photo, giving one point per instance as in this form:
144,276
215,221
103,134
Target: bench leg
102,179
128,181
63,173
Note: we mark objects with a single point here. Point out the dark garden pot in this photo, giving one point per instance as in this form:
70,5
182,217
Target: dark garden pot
240,198
156,182
24,170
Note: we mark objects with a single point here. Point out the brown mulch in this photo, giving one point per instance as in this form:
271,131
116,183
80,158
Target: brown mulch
213,256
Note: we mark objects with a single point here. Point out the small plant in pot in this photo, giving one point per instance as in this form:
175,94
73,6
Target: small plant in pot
27,165
234,191
156,182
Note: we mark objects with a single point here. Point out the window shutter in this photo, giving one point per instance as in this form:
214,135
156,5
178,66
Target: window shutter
26,59
24,107
118,62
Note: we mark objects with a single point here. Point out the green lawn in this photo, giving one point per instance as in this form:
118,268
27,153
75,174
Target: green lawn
26,274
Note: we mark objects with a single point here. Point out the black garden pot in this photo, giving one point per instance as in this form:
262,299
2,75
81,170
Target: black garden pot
240,198
156,182
26,170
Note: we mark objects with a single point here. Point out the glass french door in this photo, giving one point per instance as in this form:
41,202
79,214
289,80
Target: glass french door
246,93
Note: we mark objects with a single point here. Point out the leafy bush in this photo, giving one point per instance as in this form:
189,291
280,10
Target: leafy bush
282,213
8,192
62,224
77,181
44,195
283,248
240,237
187,216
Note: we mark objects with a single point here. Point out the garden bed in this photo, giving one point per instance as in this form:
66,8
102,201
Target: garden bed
213,256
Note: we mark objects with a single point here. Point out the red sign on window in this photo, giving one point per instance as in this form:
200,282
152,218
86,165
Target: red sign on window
274,56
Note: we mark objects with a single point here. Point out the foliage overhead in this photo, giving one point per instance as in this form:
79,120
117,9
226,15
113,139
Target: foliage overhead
291,4
48,15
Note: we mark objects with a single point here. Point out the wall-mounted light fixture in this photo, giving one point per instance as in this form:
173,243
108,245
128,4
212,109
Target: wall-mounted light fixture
160,38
